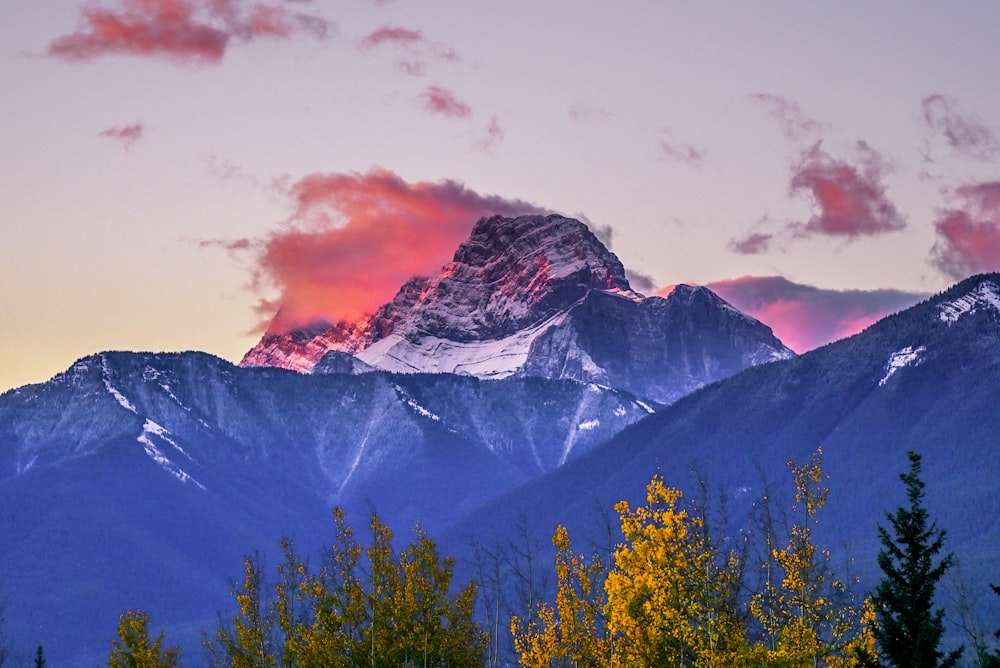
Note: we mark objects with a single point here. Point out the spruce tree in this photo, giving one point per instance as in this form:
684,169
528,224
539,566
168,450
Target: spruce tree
909,628
989,659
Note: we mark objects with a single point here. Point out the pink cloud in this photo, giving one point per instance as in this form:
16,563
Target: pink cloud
850,199
411,42
682,152
805,317
439,100
794,124
126,134
392,35
354,239
187,31
965,134
968,235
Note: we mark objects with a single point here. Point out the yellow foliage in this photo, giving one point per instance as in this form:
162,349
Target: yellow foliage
570,633
134,649
811,618
670,595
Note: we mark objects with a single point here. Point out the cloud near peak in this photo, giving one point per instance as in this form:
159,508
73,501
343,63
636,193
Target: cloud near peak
186,31
803,316
354,239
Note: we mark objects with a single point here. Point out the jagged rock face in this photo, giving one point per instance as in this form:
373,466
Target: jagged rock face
661,348
541,296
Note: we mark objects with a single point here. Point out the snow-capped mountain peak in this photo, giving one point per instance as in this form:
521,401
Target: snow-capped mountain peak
539,295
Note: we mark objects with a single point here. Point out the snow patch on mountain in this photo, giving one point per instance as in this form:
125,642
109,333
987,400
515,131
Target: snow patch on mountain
498,358
151,429
578,424
411,402
24,467
984,295
899,359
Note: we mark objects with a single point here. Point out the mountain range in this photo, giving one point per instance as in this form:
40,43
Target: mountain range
525,380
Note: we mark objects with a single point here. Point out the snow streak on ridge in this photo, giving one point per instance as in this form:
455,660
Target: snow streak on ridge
119,397
986,294
150,429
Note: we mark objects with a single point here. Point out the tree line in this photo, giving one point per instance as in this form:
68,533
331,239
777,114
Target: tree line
676,590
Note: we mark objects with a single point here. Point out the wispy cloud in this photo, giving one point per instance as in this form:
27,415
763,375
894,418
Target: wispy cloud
584,112
126,134
966,134
795,124
805,317
354,239
413,45
494,135
968,233
753,243
186,31
438,100
682,152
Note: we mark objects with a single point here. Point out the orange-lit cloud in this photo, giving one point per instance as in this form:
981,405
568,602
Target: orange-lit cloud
439,100
188,31
805,317
849,198
355,239
968,235
126,134
965,134
413,44
794,123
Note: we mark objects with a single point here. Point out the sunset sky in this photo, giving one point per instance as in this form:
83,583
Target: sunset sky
171,170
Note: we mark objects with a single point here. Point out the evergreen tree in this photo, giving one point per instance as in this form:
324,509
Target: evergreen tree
989,659
909,629
4,642
40,658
